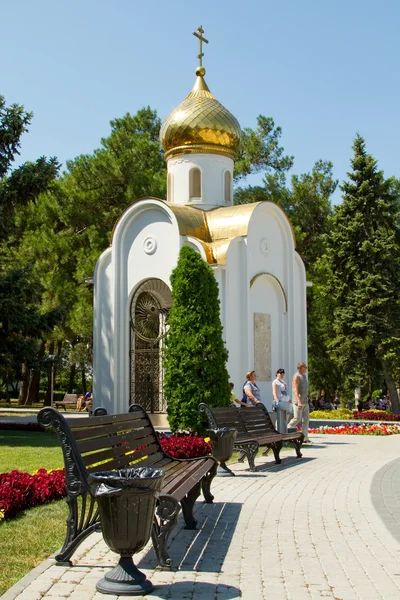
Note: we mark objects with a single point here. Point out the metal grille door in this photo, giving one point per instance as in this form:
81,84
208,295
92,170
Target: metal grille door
149,312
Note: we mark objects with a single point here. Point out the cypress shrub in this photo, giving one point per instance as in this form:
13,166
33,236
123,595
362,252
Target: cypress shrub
195,355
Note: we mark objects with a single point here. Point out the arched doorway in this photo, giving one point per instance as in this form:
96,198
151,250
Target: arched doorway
148,320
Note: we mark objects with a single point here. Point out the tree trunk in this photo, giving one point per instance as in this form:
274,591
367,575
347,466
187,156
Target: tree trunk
71,383
23,390
47,399
391,386
34,381
7,392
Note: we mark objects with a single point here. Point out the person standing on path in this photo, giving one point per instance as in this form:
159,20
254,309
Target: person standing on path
251,391
300,401
281,401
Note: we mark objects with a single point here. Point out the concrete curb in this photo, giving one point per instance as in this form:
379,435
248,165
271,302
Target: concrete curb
23,583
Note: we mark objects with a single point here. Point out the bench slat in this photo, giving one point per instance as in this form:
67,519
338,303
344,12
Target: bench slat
152,460
120,449
182,482
104,419
183,468
86,433
133,438
119,462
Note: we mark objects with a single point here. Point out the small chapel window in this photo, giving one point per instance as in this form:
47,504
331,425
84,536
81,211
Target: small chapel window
228,187
194,183
170,182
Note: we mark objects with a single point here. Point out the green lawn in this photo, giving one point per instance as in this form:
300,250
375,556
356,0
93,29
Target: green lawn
29,538
29,451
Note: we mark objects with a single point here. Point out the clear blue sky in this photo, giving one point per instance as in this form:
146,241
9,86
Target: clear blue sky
322,69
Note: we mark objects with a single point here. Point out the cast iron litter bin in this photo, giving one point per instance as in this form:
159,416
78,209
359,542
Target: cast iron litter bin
127,502
222,440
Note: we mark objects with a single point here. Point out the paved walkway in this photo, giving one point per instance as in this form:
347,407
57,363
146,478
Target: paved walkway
325,526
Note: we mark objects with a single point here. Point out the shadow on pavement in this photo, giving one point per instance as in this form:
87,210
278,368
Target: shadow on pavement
184,589
204,549
385,496
287,463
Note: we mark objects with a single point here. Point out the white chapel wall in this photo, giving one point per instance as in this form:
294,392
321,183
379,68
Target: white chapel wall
212,167
103,333
300,311
146,245
236,310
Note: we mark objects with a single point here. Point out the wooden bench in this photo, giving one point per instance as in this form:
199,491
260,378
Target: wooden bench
68,399
254,429
109,442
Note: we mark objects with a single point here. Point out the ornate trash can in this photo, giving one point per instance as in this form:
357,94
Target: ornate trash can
222,440
127,502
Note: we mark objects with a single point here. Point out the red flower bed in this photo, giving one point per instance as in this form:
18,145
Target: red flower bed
362,429
19,491
375,416
184,445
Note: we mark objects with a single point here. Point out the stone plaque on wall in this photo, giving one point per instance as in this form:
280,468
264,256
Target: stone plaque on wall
262,346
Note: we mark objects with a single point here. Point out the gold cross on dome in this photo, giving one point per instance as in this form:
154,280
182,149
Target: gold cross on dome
199,34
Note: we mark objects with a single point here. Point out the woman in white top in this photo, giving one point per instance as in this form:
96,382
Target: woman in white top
281,400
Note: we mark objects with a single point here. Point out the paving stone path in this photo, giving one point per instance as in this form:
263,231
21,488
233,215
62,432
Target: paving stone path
325,526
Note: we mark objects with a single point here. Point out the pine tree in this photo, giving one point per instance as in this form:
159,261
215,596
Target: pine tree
195,355
364,281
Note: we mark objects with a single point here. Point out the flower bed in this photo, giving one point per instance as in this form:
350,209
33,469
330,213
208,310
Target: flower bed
19,490
352,429
375,415
335,415
185,445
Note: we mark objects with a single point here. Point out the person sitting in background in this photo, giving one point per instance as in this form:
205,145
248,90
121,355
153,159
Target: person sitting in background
84,401
80,401
88,399
324,404
235,401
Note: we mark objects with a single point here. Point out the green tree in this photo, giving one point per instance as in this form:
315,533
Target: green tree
363,281
66,229
22,320
14,122
22,324
260,150
195,354
27,182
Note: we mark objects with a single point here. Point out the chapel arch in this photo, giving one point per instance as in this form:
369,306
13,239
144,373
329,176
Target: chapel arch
227,187
149,311
170,190
194,183
268,322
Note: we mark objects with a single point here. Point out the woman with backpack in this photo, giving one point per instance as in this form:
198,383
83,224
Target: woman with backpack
251,391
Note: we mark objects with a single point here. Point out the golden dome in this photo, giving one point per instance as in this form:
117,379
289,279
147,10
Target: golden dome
200,124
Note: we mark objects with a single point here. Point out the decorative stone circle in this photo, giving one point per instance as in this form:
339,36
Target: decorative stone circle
264,246
150,245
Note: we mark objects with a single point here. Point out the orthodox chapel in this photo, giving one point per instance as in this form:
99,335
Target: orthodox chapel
250,248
